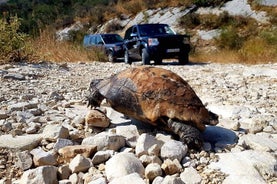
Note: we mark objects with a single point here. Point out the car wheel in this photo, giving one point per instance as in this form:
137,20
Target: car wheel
127,59
184,59
110,57
145,57
158,61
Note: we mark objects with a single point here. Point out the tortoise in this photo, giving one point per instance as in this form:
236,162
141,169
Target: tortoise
156,96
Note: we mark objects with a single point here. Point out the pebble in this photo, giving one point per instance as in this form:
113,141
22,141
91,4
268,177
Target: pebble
44,115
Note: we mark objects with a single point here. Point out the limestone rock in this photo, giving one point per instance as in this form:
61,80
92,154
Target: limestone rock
123,164
101,156
24,160
24,142
190,176
53,132
69,152
173,150
96,118
105,141
144,142
135,178
171,167
79,164
40,157
130,132
42,174
152,171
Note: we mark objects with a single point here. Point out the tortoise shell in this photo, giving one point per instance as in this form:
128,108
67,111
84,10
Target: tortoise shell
151,95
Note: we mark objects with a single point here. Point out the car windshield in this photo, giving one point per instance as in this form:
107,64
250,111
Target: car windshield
112,38
155,29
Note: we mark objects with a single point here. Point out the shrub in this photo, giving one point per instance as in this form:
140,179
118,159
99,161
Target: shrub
229,38
14,46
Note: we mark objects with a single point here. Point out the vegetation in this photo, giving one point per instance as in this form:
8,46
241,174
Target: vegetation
24,23
14,46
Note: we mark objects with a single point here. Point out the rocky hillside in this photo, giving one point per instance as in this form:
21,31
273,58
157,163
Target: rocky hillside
45,137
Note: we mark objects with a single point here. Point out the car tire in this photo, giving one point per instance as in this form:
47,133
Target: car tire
127,59
158,61
110,57
145,57
184,59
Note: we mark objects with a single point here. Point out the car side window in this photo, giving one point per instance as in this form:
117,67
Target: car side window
128,34
99,40
92,40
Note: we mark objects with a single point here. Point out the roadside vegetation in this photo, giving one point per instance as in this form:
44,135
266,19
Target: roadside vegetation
28,30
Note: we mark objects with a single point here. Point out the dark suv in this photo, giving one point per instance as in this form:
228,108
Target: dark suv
111,44
155,42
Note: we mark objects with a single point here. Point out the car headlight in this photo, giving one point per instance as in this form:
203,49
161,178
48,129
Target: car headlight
153,41
186,40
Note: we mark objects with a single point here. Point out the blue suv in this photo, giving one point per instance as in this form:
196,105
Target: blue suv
111,44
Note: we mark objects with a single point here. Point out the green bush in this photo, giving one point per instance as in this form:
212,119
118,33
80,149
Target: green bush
230,39
13,44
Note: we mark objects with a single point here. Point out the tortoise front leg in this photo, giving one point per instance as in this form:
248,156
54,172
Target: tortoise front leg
187,133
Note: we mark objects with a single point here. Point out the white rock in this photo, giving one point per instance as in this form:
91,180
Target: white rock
144,142
123,164
152,171
171,167
171,179
60,143
135,178
260,142
99,181
42,174
24,142
41,157
173,150
53,132
190,176
79,164
246,167
96,118
24,160
105,141
130,132
101,156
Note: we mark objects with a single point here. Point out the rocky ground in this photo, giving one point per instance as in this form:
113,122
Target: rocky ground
44,139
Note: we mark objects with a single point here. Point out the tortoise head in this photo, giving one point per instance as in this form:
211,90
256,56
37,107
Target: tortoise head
94,98
213,118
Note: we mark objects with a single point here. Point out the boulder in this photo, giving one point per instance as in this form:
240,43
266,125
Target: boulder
42,174
123,164
173,150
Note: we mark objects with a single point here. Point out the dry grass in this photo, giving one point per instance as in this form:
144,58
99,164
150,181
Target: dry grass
47,48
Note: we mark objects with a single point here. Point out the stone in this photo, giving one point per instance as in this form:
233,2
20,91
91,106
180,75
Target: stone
148,159
250,166
22,106
105,141
69,152
60,143
24,142
261,142
42,174
3,114
96,118
79,164
172,180
98,181
144,142
123,164
101,156
135,178
24,160
55,131
152,171
64,172
41,157
171,167
65,181
190,176
173,150
15,76
130,132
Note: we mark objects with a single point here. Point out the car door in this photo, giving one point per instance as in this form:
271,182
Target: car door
132,42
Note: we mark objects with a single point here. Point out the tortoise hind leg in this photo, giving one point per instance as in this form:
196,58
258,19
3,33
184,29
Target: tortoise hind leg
187,133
